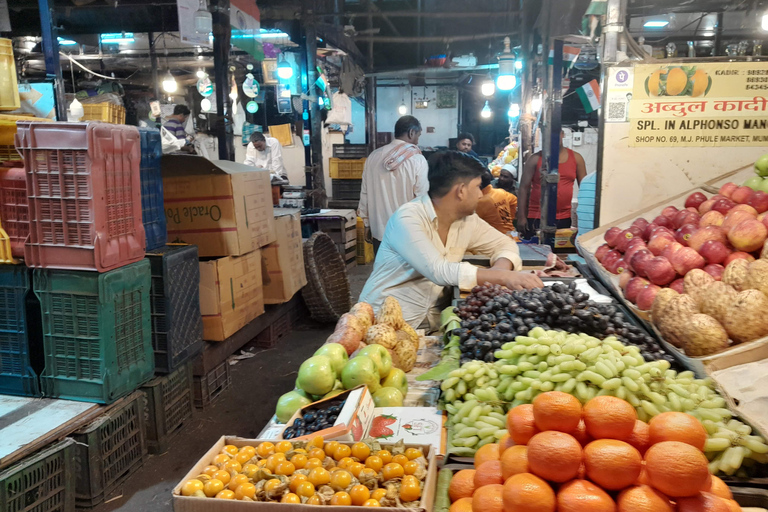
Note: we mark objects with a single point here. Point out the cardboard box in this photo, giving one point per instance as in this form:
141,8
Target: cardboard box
193,504
222,207
412,425
231,294
283,260
354,420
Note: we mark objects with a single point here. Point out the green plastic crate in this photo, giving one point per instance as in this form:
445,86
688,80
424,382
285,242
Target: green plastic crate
96,332
44,481
169,406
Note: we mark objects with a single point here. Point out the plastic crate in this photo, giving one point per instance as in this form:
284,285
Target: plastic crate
275,331
208,387
347,169
107,112
152,208
355,151
16,374
96,332
9,87
84,195
169,406
109,450
346,189
43,482
6,252
14,208
9,154
8,128
177,326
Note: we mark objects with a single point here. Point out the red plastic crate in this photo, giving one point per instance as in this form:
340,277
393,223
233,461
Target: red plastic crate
14,208
84,189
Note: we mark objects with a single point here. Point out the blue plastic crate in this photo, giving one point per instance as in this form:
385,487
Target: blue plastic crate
152,209
16,374
177,326
96,332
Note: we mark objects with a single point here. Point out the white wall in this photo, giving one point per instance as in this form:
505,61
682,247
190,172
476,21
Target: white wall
443,120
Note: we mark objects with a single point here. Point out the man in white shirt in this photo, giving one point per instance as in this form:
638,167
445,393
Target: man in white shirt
266,152
427,238
393,175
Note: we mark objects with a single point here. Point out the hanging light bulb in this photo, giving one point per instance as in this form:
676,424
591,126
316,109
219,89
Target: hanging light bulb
486,112
205,105
488,88
203,20
76,111
201,73
402,109
536,103
169,83
514,110
284,68
507,79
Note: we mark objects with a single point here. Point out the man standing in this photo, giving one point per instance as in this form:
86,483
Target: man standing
266,152
393,175
175,123
427,238
497,207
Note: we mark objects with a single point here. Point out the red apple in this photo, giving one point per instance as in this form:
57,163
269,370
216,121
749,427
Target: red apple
684,217
723,205
686,259
727,189
635,245
649,230
641,223
635,286
744,208
671,249
759,201
663,221
714,251
694,200
677,285
625,277
715,271
601,252
622,241
761,216
718,196
742,195
660,271
617,267
692,209
706,206
764,220
611,235
670,212
711,218
611,258
646,297
748,236
639,262
703,235
735,217
659,241
683,234
738,256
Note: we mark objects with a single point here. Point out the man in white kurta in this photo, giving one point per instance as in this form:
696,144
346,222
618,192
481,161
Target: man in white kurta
265,152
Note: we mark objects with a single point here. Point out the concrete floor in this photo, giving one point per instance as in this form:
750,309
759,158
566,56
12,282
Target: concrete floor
243,410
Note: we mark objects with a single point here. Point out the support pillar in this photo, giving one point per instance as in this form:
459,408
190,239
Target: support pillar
221,43
52,58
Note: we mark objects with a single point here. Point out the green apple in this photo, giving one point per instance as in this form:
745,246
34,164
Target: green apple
288,404
764,185
754,182
333,393
336,353
396,379
388,397
360,370
316,375
380,357
761,166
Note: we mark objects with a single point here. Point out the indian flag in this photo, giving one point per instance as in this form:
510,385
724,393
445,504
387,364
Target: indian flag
570,54
589,94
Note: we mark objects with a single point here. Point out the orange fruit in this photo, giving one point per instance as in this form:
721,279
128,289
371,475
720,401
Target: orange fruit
340,480
315,499
484,454
341,452
356,468
462,485
643,478
581,435
378,494
582,474
226,494
313,463
316,453
265,449
246,490
392,470
520,424
330,447
505,442
374,462
305,489
525,492
371,503
643,498
554,456
385,456
514,460
411,467
640,437
400,459
612,464
556,410
719,488
359,494
676,469
413,453
702,502
733,506
488,498
677,81
341,498
361,451
489,473
583,496
410,490
296,480
319,476
608,417
462,505
290,498
677,426
237,481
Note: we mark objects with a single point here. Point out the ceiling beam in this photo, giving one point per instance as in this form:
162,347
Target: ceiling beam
416,14
433,39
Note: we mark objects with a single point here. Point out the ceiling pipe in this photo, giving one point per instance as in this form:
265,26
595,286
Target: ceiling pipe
433,39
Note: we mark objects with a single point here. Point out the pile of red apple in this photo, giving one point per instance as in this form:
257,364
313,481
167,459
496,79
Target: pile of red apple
708,234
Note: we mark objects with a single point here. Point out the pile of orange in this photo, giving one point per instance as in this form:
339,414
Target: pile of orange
560,456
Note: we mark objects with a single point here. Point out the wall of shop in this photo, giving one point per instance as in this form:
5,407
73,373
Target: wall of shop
438,124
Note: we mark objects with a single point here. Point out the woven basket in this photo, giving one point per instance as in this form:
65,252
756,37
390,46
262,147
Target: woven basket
327,292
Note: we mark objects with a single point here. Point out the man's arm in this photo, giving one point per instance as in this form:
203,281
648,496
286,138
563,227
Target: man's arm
250,155
421,182
524,192
512,202
581,167
277,159
489,241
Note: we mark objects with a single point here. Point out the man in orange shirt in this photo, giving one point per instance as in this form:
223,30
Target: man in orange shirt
497,207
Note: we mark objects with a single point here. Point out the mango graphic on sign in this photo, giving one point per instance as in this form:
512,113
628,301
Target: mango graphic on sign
678,81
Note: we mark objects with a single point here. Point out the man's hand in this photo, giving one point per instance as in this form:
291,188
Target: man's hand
521,223
522,281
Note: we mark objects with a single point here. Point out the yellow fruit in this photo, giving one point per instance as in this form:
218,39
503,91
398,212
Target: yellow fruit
400,459
237,481
413,453
374,462
345,461
274,460
299,460
210,470
213,487
341,452
313,463
341,479
677,81
356,468
248,449
246,490
331,447
226,494
314,500
191,487
233,465
296,480
316,453
371,503
243,457
319,476
700,81
305,489
367,474
231,449
654,82
290,498
221,458
284,446
250,470
385,456
410,489
361,451
285,468
222,475
378,494
341,499
410,467
359,494
316,442
392,470
265,449
271,485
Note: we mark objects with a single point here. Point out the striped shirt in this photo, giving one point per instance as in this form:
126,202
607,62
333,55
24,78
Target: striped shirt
176,128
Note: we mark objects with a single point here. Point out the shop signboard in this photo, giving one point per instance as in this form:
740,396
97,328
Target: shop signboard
696,104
